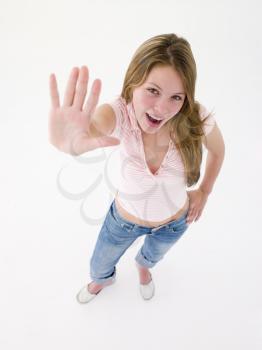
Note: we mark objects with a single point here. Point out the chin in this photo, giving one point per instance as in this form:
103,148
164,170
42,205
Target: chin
148,130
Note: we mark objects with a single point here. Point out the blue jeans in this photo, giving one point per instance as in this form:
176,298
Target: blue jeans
117,235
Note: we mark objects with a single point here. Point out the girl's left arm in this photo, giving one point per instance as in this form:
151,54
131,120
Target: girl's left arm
215,146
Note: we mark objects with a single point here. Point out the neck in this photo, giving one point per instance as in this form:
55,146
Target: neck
163,132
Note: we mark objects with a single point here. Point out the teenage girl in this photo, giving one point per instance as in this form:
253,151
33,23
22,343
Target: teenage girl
160,129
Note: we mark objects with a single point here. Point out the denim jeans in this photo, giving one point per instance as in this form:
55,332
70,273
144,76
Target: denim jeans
117,235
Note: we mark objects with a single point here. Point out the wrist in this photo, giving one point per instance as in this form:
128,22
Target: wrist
204,191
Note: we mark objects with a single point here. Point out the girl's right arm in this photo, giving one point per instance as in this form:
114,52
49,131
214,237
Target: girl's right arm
76,128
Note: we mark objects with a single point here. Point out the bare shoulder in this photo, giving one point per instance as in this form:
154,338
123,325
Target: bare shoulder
103,120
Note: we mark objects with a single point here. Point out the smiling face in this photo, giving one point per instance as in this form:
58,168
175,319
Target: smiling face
161,96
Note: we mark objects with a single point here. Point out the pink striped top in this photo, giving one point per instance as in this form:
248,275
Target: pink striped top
148,196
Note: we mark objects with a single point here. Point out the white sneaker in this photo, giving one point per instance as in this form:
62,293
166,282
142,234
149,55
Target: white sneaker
84,296
147,290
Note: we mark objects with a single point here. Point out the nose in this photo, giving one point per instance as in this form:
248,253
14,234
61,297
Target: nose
161,107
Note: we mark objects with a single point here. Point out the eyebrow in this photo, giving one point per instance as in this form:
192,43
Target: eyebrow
176,93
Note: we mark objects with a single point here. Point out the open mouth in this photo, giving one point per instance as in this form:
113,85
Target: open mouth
152,120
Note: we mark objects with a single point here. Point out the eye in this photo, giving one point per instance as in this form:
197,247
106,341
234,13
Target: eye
177,99
153,91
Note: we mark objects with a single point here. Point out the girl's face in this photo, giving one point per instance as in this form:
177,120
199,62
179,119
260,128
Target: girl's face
160,97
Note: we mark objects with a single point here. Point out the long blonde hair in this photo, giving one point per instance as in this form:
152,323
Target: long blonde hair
186,128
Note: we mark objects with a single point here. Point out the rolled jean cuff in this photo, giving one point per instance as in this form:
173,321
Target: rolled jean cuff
141,260
105,279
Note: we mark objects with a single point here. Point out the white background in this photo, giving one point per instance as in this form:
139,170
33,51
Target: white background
208,288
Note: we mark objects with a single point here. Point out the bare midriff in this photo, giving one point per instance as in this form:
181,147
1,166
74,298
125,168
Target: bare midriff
122,212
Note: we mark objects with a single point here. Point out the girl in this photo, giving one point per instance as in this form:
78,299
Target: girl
160,129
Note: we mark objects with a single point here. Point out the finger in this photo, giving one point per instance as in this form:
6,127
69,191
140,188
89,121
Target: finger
190,215
54,95
70,88
81,88
93,97
198,216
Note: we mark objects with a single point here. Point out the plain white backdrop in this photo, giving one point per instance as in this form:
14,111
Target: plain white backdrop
209,286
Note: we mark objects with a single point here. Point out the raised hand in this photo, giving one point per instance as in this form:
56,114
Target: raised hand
70,124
